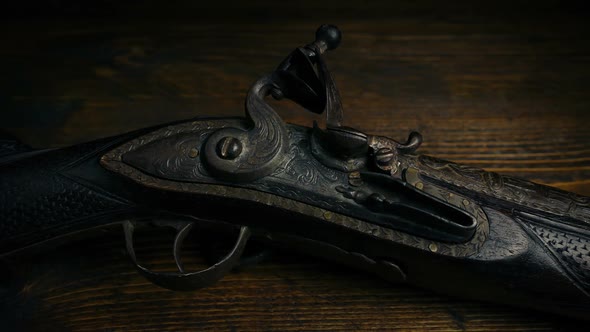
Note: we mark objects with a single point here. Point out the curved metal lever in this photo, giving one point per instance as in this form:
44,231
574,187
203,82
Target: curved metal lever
247,154
183,280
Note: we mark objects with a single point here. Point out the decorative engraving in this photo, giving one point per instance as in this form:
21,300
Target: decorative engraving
170,158
302,165
572,252
505,188
284,188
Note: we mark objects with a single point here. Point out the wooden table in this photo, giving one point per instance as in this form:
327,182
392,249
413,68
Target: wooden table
502,86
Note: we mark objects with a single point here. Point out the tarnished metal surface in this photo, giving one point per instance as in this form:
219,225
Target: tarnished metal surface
301,184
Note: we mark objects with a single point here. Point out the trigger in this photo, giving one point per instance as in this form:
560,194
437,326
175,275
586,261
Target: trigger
178,240
187,280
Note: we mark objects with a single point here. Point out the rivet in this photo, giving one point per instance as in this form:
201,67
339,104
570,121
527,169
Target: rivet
327,215
193,153
465,202
354,179
433,247
419,185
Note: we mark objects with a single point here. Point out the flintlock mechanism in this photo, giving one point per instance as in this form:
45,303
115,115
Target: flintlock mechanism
336,192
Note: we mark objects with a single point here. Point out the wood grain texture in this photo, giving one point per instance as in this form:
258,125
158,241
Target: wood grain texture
502,86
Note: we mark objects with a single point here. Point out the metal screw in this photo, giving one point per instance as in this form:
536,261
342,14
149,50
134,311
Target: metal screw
229,148
193,153
384,156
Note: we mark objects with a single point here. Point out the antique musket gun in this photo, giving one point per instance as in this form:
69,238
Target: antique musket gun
361,200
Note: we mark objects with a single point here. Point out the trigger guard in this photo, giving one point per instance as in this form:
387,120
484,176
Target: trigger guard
191,280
